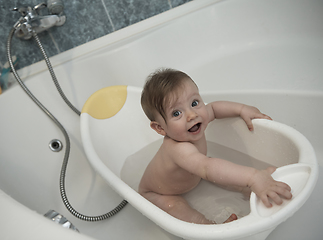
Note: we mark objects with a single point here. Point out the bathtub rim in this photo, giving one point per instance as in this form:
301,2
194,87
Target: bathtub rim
31,223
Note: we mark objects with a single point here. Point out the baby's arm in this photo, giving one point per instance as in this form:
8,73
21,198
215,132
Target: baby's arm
259,181
224,109
226,173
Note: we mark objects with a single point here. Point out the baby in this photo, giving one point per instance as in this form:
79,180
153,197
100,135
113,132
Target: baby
172,102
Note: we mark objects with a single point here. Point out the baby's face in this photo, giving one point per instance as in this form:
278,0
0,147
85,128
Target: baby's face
186,115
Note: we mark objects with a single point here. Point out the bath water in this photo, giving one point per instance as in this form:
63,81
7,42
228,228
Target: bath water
213,201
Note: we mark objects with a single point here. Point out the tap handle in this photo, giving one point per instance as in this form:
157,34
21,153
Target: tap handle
39,6
23,10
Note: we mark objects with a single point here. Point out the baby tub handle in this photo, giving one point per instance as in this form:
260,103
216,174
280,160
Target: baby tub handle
297,176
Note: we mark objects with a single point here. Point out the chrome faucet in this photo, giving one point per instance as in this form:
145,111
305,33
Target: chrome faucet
31,20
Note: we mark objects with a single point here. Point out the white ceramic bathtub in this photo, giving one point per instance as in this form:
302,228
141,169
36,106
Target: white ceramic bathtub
264,53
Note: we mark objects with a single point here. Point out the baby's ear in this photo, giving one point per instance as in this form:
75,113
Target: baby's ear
156,126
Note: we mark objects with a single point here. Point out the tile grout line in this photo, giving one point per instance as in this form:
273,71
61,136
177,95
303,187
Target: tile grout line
170,4
107,12
53,40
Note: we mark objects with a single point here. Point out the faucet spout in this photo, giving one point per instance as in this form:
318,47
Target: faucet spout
47,22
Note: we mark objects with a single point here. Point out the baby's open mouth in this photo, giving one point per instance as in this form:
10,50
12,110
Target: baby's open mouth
195,128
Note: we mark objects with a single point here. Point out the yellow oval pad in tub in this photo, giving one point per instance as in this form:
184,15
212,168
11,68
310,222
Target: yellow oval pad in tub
106,102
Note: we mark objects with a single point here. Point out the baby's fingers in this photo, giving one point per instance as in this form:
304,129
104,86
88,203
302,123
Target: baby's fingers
248,119
283,185
264,198
264,116
275,197
276,194
283,190
249,124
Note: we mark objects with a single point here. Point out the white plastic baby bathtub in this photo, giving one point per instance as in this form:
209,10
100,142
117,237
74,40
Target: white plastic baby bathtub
118,143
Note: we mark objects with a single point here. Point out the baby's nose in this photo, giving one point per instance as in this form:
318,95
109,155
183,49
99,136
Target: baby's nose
191,115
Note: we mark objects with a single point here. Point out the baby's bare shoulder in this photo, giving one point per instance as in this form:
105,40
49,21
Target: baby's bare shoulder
175,145
176,149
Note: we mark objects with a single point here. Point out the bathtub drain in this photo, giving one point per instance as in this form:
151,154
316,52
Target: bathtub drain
55,145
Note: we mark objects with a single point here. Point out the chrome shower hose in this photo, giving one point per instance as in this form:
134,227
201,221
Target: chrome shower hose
60,126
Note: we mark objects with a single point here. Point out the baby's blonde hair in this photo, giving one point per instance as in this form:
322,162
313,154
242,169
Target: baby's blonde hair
156,93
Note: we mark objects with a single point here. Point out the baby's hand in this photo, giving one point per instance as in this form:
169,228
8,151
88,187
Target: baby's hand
265,187
248,113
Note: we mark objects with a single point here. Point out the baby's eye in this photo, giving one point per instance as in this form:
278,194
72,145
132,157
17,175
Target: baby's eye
195,103
176,113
